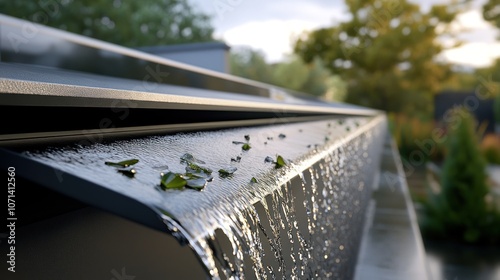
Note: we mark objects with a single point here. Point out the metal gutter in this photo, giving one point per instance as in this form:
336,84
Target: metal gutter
115,107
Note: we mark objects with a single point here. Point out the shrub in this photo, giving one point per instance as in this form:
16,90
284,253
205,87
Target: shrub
490,148
408,131
460,211
496,109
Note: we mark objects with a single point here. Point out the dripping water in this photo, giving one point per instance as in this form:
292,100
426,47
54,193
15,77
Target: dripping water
300,228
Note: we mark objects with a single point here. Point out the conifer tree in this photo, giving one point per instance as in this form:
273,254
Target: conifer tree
460,212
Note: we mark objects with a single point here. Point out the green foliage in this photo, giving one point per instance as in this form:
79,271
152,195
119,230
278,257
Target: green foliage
490,76
460,212
490,147
227,172
496,109
386,53
280,161
251,64
195,177
293,73
491,155
489,85
460,80
172,181
491,12
124,22
124,167
317,80
416,136
125,163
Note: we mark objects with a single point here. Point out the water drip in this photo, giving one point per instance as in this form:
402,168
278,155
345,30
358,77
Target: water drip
301,221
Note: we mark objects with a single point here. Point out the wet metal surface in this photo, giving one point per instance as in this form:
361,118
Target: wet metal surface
299,219
392,247
336,160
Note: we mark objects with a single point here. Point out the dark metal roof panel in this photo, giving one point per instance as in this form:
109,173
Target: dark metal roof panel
184,47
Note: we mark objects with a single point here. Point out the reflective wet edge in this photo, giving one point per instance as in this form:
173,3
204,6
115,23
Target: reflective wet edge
302,220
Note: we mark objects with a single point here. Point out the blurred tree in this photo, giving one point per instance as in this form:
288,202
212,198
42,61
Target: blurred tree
124,22
491,12
489,87
251,64
293,73
496,111
490,76
387,52
460,80
312,78
337,89
462,211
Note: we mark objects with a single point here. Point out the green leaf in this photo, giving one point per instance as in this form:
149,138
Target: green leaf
246,147
194,168
172,181
253,180
128,171
224,172
125,163
280,162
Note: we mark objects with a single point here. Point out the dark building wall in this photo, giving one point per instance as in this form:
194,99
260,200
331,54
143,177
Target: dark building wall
482,109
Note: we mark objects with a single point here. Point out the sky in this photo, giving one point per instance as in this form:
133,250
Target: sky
271,26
